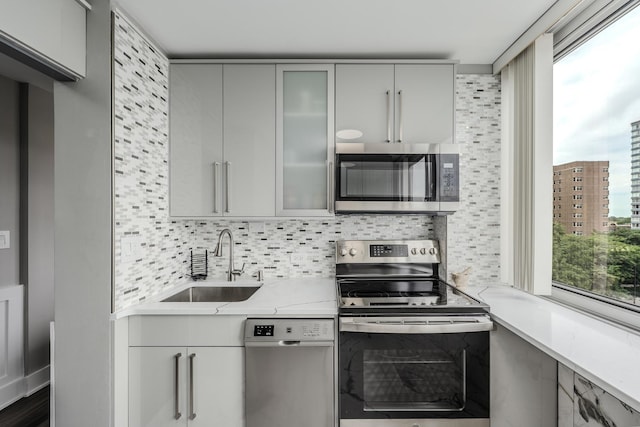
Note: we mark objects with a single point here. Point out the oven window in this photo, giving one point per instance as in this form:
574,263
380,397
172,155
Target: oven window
396,380
383,177
413,376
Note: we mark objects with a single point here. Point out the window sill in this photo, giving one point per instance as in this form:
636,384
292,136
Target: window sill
602,352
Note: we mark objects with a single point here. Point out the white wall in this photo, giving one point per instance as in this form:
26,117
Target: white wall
37,266
83,235
9,180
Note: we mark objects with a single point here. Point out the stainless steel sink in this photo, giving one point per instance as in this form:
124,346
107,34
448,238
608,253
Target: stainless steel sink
213,294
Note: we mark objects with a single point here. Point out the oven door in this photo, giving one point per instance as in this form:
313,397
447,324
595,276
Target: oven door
426,371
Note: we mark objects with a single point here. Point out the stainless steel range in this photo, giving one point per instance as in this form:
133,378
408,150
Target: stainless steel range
413,350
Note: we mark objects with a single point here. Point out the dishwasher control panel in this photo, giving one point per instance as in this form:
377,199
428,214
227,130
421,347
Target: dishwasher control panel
289,330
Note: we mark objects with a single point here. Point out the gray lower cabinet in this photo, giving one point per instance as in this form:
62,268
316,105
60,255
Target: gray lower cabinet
185,371
397,103
186,386
222,140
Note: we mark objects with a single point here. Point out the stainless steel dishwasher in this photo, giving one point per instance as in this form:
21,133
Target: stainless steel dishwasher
289,372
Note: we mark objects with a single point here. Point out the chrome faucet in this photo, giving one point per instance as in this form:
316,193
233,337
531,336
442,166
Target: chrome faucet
232,273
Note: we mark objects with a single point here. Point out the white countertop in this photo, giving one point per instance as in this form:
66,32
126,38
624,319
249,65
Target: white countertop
599,351
301,297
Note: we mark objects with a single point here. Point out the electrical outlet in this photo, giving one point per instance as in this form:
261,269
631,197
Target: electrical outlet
5,239
130,248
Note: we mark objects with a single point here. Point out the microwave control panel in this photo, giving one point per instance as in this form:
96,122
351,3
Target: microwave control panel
449,178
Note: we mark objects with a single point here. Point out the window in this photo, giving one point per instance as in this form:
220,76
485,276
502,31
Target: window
590,139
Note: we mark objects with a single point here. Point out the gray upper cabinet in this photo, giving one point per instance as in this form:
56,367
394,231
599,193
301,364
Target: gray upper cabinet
249,139
364,100
304,139
401,103
195,139
222,140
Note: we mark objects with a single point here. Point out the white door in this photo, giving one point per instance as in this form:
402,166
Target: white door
249,139
364,101
218,387
424,103
157,387
195,141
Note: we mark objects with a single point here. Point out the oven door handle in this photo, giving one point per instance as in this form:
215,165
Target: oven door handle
432,325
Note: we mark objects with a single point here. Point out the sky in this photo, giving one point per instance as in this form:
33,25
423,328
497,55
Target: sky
596,98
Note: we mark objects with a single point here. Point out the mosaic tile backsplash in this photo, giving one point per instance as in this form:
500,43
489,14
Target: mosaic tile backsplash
141,172
152,251
473,233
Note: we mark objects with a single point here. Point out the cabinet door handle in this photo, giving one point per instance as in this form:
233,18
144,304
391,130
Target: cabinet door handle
330,188
216,179
192,414
388,116
227,207
400,114
177,386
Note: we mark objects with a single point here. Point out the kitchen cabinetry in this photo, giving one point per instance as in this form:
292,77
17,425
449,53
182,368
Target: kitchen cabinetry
51,32
186,371
408,103
304,139
195,139
187,386
222,138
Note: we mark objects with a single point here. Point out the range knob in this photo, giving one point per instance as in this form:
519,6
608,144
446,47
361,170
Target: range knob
353,252
414,251
343,252
423,251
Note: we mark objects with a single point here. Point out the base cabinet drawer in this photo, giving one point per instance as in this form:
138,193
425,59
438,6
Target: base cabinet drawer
186,386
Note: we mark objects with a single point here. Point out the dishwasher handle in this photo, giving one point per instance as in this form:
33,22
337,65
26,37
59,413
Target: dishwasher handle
286,344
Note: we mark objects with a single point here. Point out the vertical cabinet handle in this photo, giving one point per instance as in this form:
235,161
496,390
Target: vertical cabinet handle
216,179
400,114
227,203
388,116
177,386
192,414
330,189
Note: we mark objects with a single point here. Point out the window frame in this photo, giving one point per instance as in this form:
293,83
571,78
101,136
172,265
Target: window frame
566,39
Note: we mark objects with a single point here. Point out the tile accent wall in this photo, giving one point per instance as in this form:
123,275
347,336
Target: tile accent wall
151,251
473,233
155,249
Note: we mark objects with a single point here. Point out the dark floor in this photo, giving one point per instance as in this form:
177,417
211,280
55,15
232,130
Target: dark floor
32,411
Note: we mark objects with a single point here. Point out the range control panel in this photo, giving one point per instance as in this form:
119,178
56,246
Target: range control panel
389,251
289,330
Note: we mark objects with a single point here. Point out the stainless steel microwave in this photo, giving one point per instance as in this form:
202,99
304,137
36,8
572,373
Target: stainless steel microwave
397,178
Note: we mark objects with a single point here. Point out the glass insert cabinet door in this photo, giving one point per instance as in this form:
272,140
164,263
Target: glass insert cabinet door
304,139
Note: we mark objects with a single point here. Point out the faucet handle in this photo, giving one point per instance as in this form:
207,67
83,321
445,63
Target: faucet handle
240,272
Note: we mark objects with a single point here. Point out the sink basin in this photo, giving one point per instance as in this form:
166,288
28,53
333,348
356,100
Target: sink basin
213,294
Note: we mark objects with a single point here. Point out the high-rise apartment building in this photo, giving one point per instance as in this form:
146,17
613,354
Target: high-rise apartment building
635,175
581,197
